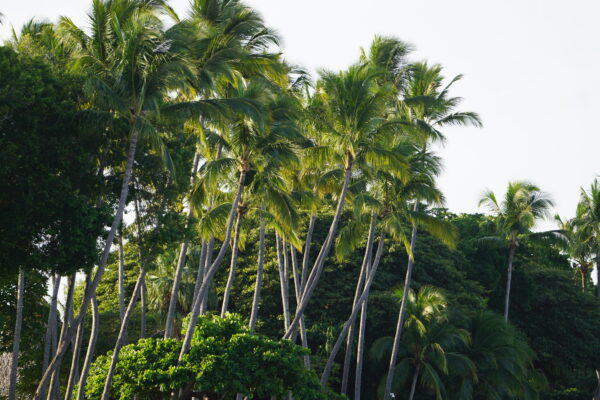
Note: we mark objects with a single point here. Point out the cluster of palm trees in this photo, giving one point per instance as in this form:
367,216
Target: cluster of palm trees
271,147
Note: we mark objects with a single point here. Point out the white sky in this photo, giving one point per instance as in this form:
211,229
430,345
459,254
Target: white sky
532,71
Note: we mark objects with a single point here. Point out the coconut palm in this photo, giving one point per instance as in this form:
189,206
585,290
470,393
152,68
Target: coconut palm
523,205
428,345
588,217
577,246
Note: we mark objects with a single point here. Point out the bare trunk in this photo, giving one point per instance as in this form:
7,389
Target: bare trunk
169,331
62,348
142,265
213,268
209,256
121,276
74,363
357,307
307,245
315,273
282,282
14,365
90,350
413,385
144,307
259,275
298,293
232,265
402,315
362,276
200,274
120,339
50,338
511,256
598,275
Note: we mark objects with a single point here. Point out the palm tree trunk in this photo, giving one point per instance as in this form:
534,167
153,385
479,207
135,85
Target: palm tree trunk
259,274
282,281
62,348
144,307
598,275
355,309
213,267
51,326
67,323
209,256
200,274
402,315
120,338
413,385
74,363
232,265
307,245
14,365
142,263
315,273
121,276
362,276
90,350
169,330
511,256
298,292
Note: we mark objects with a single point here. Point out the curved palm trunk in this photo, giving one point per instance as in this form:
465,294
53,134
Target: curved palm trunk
51,326
169,331
213,268
62,348
74,363
360,351
209,256
232,265
402,315
307,245
90,350
413,385
259,275
120,339
511,256
357,307
283,279
315,273
298,292
14,365
362,276
200,273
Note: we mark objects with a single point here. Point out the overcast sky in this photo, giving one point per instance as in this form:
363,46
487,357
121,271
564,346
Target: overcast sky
531,70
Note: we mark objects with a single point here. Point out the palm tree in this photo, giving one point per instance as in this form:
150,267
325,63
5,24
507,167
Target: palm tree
588,217
129,66
514,217
427,347
577,246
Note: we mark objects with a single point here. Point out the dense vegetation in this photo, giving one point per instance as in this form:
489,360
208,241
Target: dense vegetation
229,228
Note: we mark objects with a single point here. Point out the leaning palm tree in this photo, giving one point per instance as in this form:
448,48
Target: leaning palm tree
514,217
588,217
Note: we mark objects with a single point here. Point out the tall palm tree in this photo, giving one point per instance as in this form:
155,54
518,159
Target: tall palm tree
523,205
428,345
588,217
130,66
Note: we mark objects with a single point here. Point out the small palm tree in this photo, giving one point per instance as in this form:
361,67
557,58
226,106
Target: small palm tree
428,345
578,248
523,205
588,220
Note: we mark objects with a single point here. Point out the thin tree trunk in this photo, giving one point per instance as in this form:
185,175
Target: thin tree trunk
142,263
50,338
298,293
90,350
209,256
144,307
67,322
315,273
583,273
598,275
232,265
597,393
14,365
120,341
363,319
307,245
357,307
200,274
213,267
413,385
169,331
511,256
74,363
62,348
259,275
121,276
362,276
282,282
402,314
